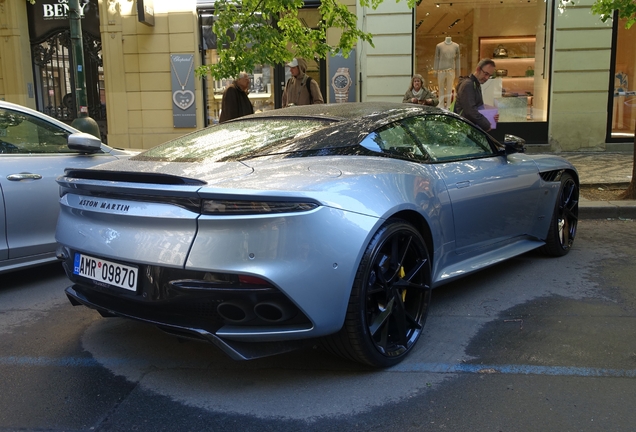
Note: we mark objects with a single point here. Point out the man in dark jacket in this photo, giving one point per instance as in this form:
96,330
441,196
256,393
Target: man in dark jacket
469,98
235,102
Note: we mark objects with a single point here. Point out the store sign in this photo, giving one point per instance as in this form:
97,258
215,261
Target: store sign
182,77
50,16
146,12
59,10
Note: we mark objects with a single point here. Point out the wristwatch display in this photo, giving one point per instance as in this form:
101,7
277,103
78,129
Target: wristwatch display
341,82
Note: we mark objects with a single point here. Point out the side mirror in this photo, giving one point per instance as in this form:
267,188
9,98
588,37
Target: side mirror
514,144
84,143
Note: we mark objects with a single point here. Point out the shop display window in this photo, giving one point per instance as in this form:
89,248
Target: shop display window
624,91
511,34
261,92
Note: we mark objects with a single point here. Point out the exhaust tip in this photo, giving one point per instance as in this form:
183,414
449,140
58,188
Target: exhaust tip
234,312
272,312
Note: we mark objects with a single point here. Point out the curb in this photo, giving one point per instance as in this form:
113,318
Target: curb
607,209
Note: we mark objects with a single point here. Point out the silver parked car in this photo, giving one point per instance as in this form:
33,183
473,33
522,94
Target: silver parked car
34,150
328,223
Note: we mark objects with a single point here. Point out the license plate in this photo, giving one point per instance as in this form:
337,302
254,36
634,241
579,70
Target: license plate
109,272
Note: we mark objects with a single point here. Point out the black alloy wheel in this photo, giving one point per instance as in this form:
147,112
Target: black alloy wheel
389,300
564,219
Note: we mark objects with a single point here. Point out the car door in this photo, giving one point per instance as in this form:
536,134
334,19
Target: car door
494,197
33,152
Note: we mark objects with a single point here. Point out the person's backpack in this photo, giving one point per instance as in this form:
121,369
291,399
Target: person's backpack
307,83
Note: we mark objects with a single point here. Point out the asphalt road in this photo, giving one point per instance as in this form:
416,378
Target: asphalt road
532,344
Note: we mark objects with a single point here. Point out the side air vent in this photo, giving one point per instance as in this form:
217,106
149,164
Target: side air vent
551,176
122,176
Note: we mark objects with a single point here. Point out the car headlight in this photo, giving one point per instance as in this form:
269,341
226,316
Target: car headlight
233,207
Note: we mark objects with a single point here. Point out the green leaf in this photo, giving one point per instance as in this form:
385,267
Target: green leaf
257,32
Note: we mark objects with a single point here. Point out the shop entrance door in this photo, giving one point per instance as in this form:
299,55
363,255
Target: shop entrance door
54,79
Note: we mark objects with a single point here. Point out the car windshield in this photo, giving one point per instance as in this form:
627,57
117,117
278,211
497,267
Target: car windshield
235,140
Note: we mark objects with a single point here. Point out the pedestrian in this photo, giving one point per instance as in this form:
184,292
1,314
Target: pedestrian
469,99
417,94
235,102
301,89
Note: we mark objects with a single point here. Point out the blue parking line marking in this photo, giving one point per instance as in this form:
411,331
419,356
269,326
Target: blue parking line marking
514,370
403,367
57,362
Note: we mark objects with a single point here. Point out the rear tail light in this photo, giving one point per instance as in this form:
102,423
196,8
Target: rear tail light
232,207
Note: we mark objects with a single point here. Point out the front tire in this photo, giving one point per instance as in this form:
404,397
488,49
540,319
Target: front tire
389,299
564,219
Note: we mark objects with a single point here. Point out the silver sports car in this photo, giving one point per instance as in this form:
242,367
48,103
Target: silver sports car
324,223
34,150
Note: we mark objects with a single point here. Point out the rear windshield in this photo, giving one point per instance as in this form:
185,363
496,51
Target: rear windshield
235,140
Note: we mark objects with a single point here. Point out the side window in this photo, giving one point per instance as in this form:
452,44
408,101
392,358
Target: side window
25,134
447,138
394,140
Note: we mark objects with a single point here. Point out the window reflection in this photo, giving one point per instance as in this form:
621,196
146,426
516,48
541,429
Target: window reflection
624,91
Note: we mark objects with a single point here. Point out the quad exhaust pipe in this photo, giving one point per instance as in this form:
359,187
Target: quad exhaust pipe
269,311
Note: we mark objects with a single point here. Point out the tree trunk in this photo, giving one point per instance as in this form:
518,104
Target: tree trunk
630,193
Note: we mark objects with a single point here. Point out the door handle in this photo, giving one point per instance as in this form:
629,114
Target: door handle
23,176
462,184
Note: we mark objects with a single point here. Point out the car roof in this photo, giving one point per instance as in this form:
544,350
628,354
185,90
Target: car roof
351,120
350,111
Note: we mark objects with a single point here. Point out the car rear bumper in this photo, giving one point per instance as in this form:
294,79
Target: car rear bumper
237,350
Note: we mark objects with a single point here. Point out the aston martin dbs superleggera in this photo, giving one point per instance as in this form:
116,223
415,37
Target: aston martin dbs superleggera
323,223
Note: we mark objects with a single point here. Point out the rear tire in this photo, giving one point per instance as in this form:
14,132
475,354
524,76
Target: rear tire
564,219
389,299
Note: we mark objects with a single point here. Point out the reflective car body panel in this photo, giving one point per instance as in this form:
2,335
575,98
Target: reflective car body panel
282,216
33,153
479,193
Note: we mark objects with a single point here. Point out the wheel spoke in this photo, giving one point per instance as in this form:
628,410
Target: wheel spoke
406,249
404,284
380,320
381,268
399,316
567,212
415,270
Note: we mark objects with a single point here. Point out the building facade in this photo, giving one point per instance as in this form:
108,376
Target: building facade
564,78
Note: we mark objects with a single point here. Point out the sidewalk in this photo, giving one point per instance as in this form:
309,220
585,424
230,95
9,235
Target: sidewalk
603,169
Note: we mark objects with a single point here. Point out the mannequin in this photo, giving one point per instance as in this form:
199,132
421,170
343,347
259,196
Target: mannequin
447,67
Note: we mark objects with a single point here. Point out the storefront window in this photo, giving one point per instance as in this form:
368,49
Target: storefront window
261,91
452,37
624,100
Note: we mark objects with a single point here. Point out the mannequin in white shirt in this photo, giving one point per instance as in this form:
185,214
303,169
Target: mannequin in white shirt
447,67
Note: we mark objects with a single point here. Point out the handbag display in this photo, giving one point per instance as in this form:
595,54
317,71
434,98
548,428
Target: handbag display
500,52
501,72
530,72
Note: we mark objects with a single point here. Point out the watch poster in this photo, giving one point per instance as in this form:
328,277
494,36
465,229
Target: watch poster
184,113
345,85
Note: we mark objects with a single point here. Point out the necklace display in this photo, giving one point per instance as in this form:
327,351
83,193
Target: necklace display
183,98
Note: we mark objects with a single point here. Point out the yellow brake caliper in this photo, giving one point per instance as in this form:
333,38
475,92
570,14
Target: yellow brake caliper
402,273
